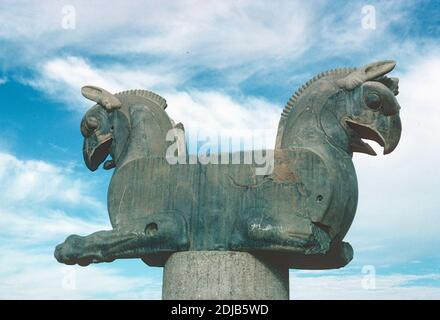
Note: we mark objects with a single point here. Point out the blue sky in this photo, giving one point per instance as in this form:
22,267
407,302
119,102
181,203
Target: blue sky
210,60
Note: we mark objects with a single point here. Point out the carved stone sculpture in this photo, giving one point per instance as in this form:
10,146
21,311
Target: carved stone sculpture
298,214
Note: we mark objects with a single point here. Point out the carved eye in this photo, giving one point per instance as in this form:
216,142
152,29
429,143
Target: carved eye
373,101
88,126
91,123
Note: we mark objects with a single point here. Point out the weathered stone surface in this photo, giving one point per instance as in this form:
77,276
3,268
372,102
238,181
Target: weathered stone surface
300,213
223,275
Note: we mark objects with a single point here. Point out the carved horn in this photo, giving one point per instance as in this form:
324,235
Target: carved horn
102,97
368,72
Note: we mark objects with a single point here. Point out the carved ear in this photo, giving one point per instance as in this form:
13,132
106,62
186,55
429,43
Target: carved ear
369,72
102,97
377,69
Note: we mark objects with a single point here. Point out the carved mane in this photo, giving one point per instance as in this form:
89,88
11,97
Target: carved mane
153,97
294,98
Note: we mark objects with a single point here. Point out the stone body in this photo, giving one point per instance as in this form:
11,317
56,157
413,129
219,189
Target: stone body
298,214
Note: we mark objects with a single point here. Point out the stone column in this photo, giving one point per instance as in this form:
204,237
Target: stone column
223,275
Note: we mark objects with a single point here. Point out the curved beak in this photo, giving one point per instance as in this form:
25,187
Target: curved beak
385,131
96,149
390,129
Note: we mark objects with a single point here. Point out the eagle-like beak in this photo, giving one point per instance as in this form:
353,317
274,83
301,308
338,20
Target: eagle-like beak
96,149
385,131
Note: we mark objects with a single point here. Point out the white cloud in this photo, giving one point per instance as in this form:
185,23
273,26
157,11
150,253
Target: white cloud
190,31
204,111
33,197
358,287
344,30
217,113
227,32
34,274
40,225
3,80
30,182
62,79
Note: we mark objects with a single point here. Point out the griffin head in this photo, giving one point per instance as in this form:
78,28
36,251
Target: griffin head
97,127
372,108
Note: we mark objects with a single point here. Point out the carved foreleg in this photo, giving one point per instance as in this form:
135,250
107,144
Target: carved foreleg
101,246
162,233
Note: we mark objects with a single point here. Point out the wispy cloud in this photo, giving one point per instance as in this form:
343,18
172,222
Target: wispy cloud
31,182
33,274
31,224
62,78
358,287
189,31
35,198
216,112
200,111
191,35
